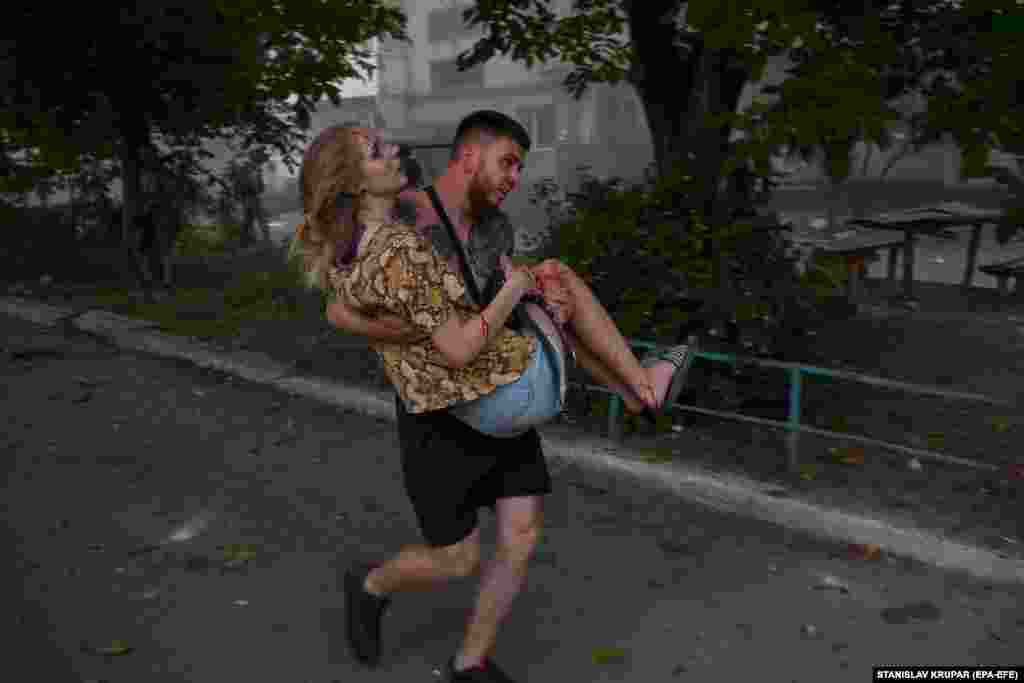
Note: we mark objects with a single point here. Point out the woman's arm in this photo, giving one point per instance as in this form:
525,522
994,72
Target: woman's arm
382,330
461,342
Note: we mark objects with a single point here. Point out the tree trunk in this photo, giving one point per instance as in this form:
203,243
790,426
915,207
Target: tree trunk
679,88
133,140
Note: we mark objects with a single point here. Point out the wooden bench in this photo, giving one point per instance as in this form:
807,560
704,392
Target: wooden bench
1002,272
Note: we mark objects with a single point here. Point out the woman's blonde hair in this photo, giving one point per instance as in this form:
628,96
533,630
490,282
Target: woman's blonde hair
331,168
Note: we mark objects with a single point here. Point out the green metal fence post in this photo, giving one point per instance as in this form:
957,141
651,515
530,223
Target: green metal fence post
793,438
616,428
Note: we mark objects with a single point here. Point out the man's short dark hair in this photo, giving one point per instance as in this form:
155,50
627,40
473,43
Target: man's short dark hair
492,123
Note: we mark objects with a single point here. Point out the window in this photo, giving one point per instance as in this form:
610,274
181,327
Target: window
447,24
539,123
446,74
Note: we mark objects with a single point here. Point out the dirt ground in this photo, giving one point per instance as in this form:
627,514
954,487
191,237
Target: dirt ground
969,343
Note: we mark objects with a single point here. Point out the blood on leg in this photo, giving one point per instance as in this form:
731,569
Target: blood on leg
553,288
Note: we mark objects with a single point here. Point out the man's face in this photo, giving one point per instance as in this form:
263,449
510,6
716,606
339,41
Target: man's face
499,166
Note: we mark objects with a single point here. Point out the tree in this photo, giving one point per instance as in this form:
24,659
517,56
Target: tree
114,80
689,62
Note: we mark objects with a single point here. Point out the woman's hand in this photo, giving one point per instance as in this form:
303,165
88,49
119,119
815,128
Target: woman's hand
520,276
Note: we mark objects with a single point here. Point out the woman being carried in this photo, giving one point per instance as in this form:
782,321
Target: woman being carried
498,380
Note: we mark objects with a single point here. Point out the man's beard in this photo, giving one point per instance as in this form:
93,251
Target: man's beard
479,203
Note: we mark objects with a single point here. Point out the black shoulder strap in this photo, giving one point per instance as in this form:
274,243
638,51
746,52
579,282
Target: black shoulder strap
467,274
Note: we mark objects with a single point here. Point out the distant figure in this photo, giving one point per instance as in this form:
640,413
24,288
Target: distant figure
247,182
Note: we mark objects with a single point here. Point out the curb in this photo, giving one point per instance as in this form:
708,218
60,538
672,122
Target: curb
727,493
740,495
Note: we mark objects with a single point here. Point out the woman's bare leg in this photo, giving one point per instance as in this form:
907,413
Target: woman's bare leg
597,333
601,372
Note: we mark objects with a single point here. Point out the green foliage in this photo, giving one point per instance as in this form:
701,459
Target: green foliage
640,246
849,79
219,313
207,240
247,72
591,38
853,66
259,291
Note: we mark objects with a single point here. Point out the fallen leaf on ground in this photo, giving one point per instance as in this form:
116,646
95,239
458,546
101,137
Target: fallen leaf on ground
237,555
1002,423
117,648
867,551
239,551
840,424
657,455
808,472
604,655
849,455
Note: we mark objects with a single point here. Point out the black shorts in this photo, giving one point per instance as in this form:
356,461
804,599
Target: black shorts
450,471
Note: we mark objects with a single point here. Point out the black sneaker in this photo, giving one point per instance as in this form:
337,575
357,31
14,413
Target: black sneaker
488,673
363,612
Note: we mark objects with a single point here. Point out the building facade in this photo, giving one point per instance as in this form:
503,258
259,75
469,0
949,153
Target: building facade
422,96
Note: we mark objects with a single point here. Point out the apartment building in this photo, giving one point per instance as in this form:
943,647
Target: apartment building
422,96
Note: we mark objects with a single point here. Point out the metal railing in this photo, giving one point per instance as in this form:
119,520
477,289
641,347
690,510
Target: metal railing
793,424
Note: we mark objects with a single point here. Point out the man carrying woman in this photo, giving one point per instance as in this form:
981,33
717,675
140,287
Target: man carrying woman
471,390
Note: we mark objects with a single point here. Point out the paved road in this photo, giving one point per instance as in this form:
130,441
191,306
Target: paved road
107,451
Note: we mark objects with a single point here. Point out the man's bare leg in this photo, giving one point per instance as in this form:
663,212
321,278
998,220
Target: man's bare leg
519,525
419,567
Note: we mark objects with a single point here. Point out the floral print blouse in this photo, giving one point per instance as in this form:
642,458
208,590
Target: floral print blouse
398,272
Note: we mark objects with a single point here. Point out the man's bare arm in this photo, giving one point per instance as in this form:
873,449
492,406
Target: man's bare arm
382,330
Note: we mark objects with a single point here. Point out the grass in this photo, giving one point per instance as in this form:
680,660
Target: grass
221,290
220,313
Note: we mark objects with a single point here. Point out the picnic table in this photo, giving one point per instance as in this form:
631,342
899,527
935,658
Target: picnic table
1003,271
932,220
856,248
